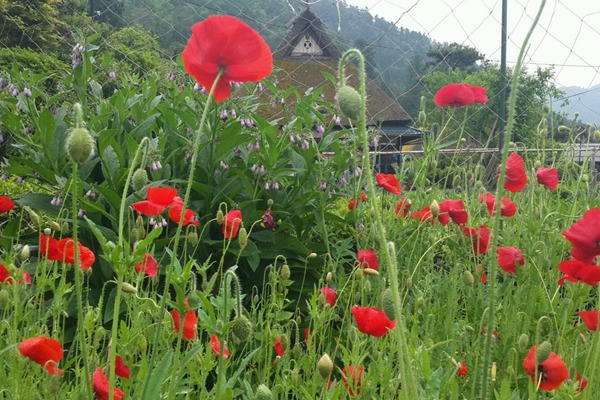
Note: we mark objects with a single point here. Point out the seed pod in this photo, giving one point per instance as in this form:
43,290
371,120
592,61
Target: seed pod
325,366
349,102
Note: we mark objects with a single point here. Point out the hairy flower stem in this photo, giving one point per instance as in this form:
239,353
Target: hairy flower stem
591,365
409,383
485,362
79,284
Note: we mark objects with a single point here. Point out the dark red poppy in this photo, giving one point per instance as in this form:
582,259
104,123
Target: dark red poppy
462,369
352,379
507,209
354,202
188,216
44,351
582,382
423,215
102,386
590,318
480,237
6,204
389,182
67,248
372,321
547,177
215,345
329,294
509,258
403,207
454,95
224,43
516,177
579,271
584,236
551,373
6,277
148,265
157,200
279,348
479,93
190,321
452,209
121,369
367,259
231,224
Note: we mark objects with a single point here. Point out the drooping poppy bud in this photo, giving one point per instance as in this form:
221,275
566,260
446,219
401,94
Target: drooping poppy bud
349,102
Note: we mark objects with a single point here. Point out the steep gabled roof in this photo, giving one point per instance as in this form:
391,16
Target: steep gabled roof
307,37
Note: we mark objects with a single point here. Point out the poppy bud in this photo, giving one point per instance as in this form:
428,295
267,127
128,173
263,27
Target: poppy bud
537,164
270,202
563,128
192,238
420,302
3,299
510,371
409,283
523,342
349,102
99,337
33,216
456,181
79,145
295,375
298,320
596,135
243,238
242,328
255,299
141,233
48,231
128,288
139,222
543,351
220,217
263,393
142,343
329,278
367,285
133,235
296,352
387,304
54,385
585,178
139,179
90,318
25,253
311,256
64,227
434,164
325,366
468,278
285,272
435,209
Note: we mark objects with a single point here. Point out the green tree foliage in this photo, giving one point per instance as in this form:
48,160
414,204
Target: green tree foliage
107,11
134,47
446,56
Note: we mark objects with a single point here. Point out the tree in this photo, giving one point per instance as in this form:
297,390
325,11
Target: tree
447,56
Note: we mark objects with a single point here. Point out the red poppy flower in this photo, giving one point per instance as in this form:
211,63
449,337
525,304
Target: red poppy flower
483,277
389,182
584,235
354,202
403,207
353,375
479,93
579,271
188,216
190,321
101,387
423,215
372,321
215,344
508,208
551,372
516,177
6,204
67,248
547,177
44,351
48,247
590,318
121,369
509,258
222,42
5,276
231,224
480,237
329,294
148,265
157,199
454,95
307,337
279,348
452,209
582,382
368,259
462,370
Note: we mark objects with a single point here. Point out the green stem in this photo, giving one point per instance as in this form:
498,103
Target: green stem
485,361
410,386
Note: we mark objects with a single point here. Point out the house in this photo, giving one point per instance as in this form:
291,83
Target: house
303,59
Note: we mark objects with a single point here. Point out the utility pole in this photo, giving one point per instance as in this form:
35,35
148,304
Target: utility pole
503,83
91,10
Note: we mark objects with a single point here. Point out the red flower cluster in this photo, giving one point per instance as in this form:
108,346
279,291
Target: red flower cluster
516,176
6,204
509,258
372,321
354,202
64,251
547,177
389,182
222,43
507,209
44,351
158,199
452,209
6,277
460,95
190,321
551,372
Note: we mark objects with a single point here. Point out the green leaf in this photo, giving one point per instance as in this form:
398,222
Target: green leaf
154,384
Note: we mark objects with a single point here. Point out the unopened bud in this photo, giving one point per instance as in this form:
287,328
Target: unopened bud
329,278
349,102
435,209
311,256
139,179
128,288
33,216
220,217
543,351
285,272
192,238
409,283
523,342
142,343
325,366
468,279
370,272
79,145
563,128
25,253
4,297
242,328
48,231
387,304
263,393
243,238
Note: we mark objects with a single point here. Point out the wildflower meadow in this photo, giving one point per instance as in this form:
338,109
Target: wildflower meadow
160,239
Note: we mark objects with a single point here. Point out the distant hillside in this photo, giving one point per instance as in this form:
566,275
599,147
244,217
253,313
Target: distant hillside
584,101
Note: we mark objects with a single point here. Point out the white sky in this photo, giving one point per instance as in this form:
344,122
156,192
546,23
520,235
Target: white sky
568,35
